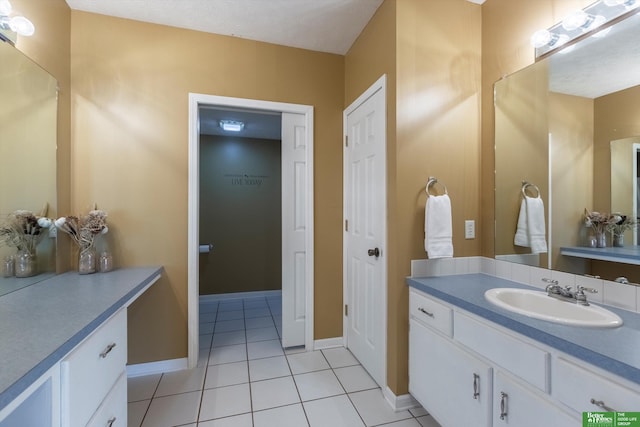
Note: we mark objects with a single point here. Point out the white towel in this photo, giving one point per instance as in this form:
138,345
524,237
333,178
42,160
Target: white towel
437,227
531,230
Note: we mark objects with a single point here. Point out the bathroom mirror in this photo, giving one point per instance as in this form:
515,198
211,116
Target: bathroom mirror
28,115
556,124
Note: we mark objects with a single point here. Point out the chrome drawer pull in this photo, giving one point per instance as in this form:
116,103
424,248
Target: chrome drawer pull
476,392
425,312
601,404
503,405
107,350
110,421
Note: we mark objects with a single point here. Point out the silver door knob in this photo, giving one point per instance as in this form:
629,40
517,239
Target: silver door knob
374,252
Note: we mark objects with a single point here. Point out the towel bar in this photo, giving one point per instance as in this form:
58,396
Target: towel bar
432,181
526,185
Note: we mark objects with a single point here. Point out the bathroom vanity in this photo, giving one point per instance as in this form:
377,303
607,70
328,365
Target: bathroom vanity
472,363
64,349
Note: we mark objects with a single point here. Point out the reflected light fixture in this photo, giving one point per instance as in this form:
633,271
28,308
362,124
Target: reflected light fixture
580,22
16,24
231,125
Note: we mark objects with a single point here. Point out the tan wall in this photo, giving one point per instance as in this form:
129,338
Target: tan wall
507,26
240,214
50,48
433,129
571,128
130,90
521,151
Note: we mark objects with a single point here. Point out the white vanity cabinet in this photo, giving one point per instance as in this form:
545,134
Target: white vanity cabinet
453,384
518,404
91,370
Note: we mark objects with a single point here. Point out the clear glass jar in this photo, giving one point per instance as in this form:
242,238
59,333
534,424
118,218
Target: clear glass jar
87,261
105,263
25,264
9,268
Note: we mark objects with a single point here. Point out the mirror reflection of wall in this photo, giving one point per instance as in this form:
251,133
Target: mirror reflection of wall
590,102
28,115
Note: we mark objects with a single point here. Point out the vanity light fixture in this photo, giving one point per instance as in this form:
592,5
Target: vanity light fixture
16,24
231,125
581,23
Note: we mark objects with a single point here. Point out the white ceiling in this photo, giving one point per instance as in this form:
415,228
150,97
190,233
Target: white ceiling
321,25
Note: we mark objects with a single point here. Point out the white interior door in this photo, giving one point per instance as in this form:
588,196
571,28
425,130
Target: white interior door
365,230
294,226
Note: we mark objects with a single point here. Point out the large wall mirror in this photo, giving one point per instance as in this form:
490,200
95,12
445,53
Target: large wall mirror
569,125
28,116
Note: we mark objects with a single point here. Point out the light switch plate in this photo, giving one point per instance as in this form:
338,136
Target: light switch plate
469,229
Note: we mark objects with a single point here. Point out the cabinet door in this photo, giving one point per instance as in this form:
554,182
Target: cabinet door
515,404
450,383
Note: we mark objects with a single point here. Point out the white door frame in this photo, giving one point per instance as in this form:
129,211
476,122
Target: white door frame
193,263
379,85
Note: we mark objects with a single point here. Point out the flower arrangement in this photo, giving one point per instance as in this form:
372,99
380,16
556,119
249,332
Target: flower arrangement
600,222
24,230
622,224
84,229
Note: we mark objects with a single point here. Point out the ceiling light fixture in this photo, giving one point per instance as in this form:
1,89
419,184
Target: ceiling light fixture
231,125
10,26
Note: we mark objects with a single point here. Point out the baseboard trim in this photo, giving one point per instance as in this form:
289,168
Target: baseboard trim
328,343
399,403
158,367
237,295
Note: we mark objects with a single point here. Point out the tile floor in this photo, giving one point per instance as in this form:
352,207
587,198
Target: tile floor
245,379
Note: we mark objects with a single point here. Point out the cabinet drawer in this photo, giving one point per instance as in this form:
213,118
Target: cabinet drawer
430,312
113,411
575,386
91,370
521,358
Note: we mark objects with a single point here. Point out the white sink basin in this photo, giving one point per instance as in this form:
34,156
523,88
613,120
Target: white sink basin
539,305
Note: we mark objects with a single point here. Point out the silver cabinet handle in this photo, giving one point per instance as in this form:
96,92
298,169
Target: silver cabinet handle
476,392
601,404
110,421
503,405
107,350
425,312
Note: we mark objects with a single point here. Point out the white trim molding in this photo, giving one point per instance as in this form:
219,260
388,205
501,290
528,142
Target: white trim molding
159,367
326,343
195,101
399,403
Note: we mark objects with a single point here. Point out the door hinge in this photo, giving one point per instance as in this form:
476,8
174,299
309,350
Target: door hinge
346,310
346,140
346,225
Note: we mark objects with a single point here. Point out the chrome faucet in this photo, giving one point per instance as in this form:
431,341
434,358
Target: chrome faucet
556,291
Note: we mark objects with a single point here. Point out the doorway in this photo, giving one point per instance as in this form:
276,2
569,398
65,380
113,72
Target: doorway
297,215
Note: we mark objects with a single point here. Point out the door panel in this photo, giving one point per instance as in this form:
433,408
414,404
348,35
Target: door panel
365,212
294,202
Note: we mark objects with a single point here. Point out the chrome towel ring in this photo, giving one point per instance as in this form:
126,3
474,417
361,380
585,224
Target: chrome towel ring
432,181
526,185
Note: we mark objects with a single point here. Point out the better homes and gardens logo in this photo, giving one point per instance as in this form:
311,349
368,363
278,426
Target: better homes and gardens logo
611,419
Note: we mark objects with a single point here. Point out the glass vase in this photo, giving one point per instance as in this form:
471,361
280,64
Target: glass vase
87,261
601,239
618,240
25,264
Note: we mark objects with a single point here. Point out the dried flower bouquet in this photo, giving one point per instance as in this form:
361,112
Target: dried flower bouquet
23,230
84,229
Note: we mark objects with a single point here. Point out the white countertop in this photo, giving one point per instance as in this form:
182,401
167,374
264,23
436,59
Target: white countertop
41,323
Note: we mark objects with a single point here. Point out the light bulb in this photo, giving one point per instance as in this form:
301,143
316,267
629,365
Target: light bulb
575,20
22,26
543,38
5,7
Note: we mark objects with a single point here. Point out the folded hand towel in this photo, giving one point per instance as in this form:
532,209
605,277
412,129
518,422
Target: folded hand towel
531,230
437,227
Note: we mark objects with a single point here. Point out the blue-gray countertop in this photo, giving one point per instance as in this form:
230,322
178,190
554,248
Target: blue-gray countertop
41,323
616,350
